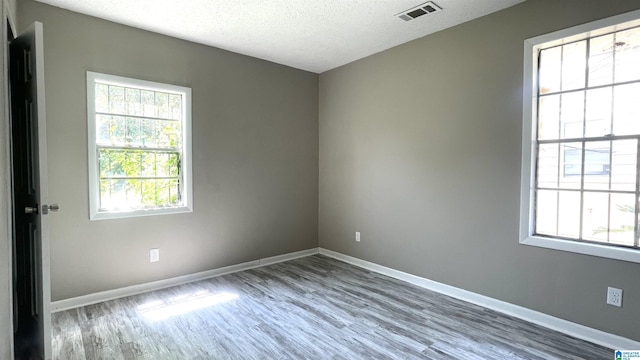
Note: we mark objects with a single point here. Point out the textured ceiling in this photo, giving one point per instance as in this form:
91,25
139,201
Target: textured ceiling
313,35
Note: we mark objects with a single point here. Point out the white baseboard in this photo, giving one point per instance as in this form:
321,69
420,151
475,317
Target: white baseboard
102,296
567,327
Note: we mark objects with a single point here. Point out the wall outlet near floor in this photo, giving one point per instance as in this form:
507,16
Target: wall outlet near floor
154,255
614,296
358,236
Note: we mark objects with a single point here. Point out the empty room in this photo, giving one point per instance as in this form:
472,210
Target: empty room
218,179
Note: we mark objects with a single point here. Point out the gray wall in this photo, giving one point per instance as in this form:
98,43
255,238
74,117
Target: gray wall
6,289
420,151
255,151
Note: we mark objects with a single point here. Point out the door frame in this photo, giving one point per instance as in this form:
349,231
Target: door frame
8,10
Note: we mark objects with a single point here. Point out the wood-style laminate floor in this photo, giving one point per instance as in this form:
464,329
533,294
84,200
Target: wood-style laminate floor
310,308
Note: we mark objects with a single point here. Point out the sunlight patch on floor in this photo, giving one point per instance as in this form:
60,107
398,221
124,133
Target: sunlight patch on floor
182,304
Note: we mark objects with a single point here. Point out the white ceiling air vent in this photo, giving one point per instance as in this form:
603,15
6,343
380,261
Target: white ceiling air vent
415,12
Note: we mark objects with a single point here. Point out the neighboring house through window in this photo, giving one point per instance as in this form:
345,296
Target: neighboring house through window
581,139
139,147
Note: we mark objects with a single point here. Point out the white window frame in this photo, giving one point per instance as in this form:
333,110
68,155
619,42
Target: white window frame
186,165
532,47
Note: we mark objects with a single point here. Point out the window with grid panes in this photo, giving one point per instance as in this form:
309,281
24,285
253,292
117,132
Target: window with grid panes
139,147
581,139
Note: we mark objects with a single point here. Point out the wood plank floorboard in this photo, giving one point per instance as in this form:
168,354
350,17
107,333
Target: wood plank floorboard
310,308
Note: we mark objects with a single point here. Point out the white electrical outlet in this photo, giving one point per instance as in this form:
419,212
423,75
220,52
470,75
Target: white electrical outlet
614,296
154,255
358,236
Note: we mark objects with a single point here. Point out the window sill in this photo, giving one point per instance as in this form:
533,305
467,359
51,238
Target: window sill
610,252
105,215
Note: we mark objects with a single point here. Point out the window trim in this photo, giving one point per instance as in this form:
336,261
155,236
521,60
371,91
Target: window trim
186,162
529,135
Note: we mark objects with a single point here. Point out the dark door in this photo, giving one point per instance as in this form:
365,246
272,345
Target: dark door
31,292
